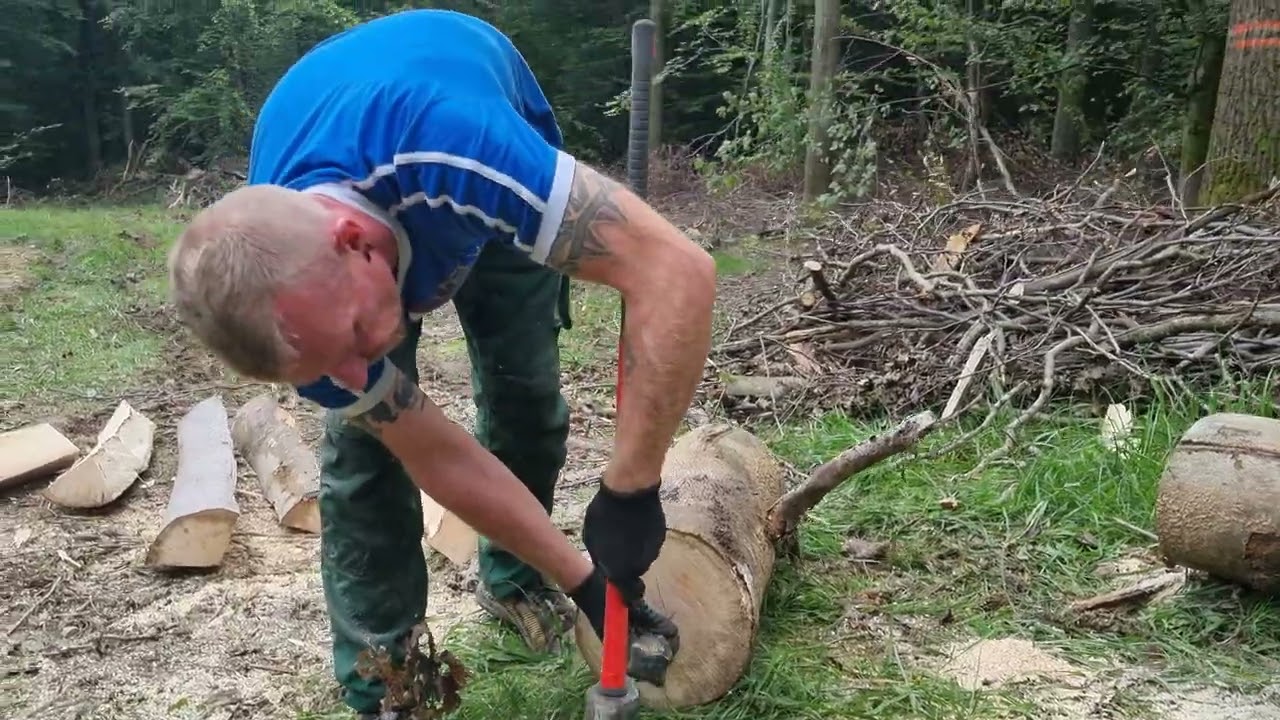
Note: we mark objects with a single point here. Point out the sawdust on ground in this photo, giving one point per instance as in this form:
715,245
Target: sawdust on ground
93,633
1063,689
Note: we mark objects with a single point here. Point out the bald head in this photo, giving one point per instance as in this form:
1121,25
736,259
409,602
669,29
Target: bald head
229,265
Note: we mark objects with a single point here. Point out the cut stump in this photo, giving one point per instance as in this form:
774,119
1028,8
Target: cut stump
202,509
288,471
122,453
718,484
1218,503
33,451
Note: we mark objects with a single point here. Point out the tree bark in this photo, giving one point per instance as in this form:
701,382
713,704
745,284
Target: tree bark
1068,122
89,58
1218,501
659,62
826,58
1202,99
1244,145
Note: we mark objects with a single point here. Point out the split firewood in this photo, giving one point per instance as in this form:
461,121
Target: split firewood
288,473
202,509
32,452
1218,500
122,453
722,491
1152,587
446,533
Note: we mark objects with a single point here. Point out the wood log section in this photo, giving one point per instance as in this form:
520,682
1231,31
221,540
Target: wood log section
447,534
202,509
1218,501
33,451
723,493
122,453
267,437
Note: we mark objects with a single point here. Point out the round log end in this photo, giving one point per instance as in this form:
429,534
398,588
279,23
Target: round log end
691,584
1218,502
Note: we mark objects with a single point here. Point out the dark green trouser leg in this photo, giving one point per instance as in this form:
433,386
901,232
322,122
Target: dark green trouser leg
512,311
371,562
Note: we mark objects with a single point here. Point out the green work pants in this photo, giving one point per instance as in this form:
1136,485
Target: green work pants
372,566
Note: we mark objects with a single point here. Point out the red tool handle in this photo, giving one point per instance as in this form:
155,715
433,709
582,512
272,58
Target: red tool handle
613,661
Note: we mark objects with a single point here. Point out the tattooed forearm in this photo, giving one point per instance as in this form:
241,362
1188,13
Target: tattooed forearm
591,205
405,396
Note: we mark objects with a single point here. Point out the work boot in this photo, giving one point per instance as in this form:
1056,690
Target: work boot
541,616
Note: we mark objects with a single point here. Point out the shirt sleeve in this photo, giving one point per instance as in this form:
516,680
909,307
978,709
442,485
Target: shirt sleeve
328,394
484,161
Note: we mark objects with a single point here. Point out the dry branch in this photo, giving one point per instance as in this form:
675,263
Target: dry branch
785,516
1072,294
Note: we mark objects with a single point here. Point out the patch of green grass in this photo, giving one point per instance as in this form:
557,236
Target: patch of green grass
86,274
595,312
1019,544
732,261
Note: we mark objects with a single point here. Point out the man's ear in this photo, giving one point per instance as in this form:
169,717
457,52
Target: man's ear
347,235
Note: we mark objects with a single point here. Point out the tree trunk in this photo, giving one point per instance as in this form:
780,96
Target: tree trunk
1068,122
89,58
718,484
1218,502
977,96
826,58
1202,98
1244,145
659,62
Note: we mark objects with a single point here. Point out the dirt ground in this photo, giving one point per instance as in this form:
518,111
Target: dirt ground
86,631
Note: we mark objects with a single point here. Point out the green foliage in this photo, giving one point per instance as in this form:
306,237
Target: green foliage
186,79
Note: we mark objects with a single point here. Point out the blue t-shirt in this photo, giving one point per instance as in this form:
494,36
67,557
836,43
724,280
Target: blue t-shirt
432,122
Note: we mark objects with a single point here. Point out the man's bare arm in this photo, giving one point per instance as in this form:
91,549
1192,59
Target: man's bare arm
611,236
448,464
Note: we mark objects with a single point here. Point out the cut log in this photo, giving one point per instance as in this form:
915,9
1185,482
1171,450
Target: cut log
447,534
33,451
1218,501
202,509
122,453
718,484
722,491
288,472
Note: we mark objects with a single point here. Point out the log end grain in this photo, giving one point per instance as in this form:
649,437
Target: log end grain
715,564
198,540
1218,501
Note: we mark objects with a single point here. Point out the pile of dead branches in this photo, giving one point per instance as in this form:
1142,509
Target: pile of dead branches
1012,303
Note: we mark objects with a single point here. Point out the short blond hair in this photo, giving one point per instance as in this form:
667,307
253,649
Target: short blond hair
228,265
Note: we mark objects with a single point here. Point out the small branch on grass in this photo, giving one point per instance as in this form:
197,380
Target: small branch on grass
785,516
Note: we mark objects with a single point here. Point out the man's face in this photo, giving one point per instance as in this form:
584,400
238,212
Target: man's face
345,314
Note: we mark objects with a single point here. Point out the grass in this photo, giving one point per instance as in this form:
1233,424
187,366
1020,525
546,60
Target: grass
1017,546
1005,558
85,276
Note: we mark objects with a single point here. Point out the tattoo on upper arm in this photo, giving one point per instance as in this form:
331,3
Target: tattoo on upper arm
591,204
404,396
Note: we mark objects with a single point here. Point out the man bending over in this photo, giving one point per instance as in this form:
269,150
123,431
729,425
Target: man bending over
401,164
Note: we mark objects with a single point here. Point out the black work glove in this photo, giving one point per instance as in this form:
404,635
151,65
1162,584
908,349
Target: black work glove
646,661
623,533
